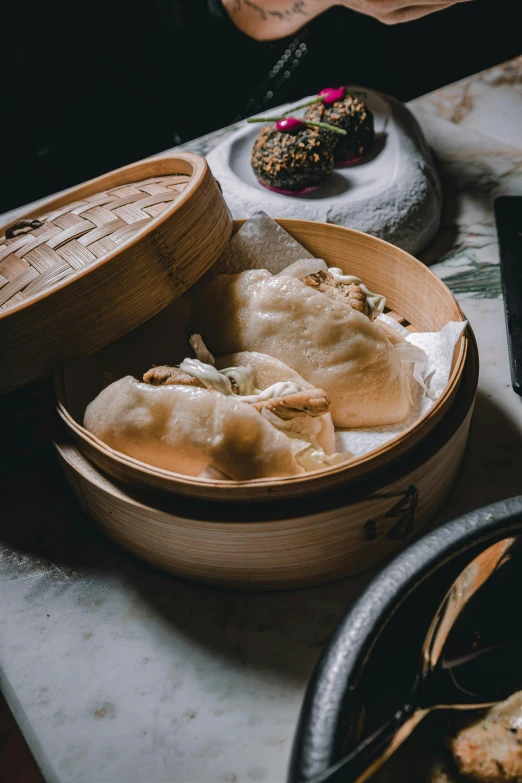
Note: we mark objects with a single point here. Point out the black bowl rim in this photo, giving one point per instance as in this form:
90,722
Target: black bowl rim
317,740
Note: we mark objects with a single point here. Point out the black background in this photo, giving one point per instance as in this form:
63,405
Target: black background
89,87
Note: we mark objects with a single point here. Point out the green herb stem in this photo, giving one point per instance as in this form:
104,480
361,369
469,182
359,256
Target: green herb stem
319,99
326,126
323,125
263,119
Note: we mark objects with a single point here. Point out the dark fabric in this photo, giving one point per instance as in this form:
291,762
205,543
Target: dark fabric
89,87
412,59
96,86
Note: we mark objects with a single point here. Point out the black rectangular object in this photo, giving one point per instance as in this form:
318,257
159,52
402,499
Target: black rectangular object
508,215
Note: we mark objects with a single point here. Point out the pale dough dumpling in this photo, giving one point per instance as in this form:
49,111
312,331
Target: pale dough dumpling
269,371
184,429
328,343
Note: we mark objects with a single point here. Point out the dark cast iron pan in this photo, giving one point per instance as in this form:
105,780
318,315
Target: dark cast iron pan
368,665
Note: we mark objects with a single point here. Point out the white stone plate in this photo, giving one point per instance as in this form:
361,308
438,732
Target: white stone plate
394,193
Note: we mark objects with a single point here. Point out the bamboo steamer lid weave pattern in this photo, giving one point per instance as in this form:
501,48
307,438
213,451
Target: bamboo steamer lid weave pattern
78,234
80,269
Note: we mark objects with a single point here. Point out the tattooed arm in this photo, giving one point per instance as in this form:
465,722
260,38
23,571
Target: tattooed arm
269,19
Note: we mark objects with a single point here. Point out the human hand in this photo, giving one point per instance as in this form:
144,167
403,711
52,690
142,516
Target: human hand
395,11
269,19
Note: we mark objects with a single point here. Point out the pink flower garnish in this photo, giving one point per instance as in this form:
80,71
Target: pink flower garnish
332,94
289,124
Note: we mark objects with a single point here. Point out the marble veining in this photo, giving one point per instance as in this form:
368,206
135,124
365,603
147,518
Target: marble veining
118,673
475,169
490,102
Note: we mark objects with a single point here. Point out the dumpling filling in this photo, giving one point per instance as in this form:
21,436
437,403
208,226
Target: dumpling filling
198,420
280,402
333,282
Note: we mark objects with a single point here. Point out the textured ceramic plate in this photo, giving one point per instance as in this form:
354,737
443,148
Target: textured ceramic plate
371,658
393,193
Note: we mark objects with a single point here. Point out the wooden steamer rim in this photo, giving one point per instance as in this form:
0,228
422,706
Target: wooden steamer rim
245,547
65,296
329,242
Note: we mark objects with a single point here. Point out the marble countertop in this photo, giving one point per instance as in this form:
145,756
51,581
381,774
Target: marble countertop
116,672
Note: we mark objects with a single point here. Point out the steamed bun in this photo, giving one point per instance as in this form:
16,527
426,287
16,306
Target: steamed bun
184,429
331,345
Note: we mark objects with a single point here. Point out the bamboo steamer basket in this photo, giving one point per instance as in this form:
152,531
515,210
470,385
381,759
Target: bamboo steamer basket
83,268
417,298
254,546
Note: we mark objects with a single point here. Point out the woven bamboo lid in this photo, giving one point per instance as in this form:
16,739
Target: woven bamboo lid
93,263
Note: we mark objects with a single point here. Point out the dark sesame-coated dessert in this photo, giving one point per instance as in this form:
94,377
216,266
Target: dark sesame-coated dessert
355,117
293,162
